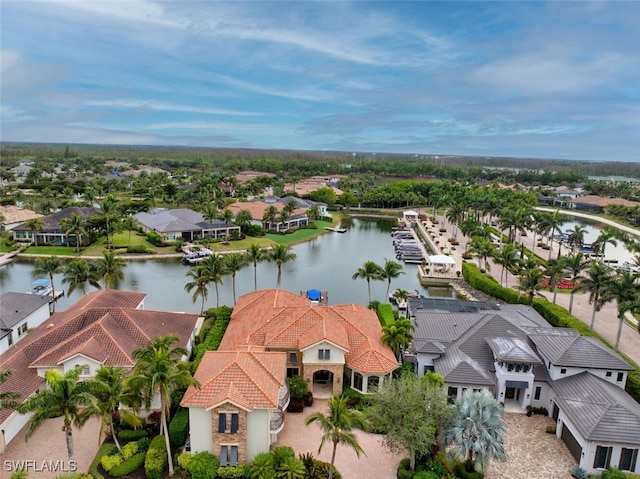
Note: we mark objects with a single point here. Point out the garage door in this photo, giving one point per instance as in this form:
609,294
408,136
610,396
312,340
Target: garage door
572,444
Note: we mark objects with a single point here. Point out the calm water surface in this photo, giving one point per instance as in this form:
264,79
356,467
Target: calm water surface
326,263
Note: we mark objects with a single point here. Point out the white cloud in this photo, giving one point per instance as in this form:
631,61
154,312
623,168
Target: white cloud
154,105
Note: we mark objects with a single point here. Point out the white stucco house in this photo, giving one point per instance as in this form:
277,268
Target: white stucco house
19,313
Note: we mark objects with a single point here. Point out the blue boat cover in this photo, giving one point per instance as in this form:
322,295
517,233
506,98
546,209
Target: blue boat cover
313,294
41,282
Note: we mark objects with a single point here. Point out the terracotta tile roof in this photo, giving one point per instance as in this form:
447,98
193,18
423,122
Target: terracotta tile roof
248,379
276,318
92,328
14,214
257,208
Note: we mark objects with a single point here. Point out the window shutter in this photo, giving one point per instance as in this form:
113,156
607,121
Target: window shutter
327,354
222,422
234,456
320,356
223,455
234,423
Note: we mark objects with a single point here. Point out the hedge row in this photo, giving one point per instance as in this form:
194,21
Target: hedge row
385,314
156,458
179,428
105,450
127,435
215,334
556,315
127,466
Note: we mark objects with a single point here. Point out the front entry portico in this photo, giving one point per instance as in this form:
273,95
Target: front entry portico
324,380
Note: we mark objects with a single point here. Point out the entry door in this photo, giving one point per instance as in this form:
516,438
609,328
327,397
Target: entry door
510,393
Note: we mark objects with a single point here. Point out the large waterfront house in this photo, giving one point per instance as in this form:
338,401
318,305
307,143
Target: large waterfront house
274,334
20,313
258,209
103,328
52,232
526,363
186,224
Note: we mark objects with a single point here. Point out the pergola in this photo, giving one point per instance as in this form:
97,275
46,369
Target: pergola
441,262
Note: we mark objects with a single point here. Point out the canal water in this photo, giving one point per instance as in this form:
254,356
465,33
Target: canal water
619,252
326,263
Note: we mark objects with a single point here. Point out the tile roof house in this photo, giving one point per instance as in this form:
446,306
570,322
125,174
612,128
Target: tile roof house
258,208
525,362
184,223
274,334
52,232
102,328
20,312
13,215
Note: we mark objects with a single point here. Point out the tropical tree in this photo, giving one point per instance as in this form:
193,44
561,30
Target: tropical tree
243,219
64,395
74,225
49,266
606,236
555,271
398,335
455,214
110,214
234,262
210,213
292,468
255,254
597,279
199,284
337,427
8,399
109,268
575,264
269,216
482,248
477,432
369,271
507,257
35,225
313,212
78,273
390,270
130,224
159,369
554,221
214,270
530,282
626,291
280,254
576,237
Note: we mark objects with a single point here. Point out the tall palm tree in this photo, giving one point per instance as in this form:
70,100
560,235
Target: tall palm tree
110,213
234,262
35,225
596,281
369,271
214,270
130,224
49,266
210,213
78,273
455,214
74,225
530,282
243,219
398,336
8,399
255,254
280,254
65,395
626,291
269,216
555,270
507,257
575,264
576,237
554,223
109,268
390,270
477,433
482,248
199,285
606,236
337,427
159,369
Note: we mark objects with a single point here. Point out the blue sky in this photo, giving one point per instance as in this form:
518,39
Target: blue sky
527,79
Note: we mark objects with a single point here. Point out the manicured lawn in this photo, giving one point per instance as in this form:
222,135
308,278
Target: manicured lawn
52,250
300,235
3,245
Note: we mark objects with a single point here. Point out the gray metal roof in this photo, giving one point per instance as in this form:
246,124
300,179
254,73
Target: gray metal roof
512,350
565,347
457,367
599,410
181,219
15,307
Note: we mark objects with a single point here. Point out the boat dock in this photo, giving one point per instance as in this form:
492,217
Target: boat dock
335,229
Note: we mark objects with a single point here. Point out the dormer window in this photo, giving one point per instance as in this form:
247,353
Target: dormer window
324,354
86,371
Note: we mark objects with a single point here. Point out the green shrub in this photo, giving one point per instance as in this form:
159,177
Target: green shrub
297,387
109,462
129,465
487,284
156,458
426,475
263,466
559,317
127,435
203,465
633,384
105,450
129,450
460,471
353,396
404,469
231,472
320,470
385,314
179,428
214,337
551,429
143,444
138,248
184,459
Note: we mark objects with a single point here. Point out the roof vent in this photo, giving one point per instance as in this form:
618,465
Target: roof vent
50,325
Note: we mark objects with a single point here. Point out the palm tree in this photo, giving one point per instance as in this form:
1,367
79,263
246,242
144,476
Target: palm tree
74,225
291,468
64,396
110,213
130,224
210,213
280,254
78,273
455,215
597,280
234,262
49,266
109,268
606,236
369,271
243,219
554,221
482,248
199,285
35,225
8,399
576,237
213,269
255,254
530,282
337,427
477,433
313,212
269,216
398,336
626,291
555,270
507,257
390,270
159,370
575,264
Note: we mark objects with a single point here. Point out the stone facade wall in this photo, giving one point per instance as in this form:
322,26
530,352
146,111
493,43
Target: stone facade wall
336,369
238,439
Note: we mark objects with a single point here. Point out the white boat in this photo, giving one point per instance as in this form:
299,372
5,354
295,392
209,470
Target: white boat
41,287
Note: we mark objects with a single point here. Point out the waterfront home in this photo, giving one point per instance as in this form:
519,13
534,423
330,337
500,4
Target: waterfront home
184,223
257,209
19,313
52,232
526,363
102,328
11,216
